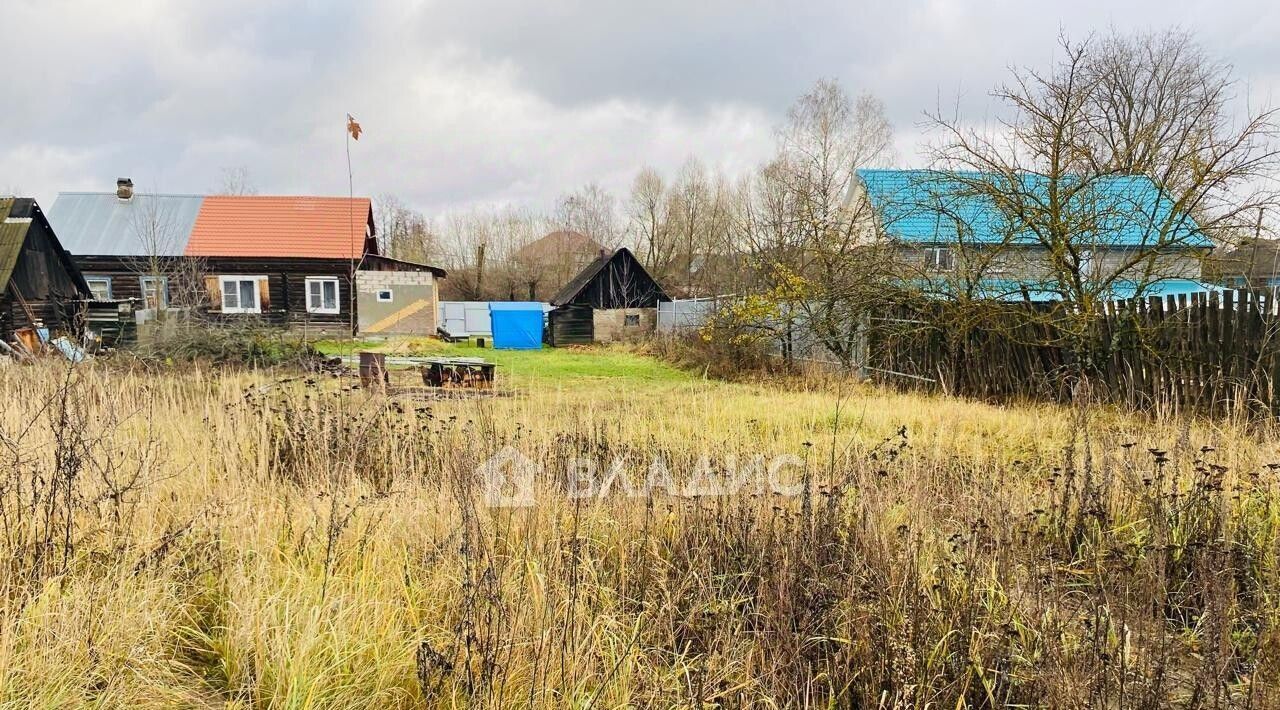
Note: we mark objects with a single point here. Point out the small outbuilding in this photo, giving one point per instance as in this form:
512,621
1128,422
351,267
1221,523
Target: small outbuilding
396,297
613,299
517,325
39,284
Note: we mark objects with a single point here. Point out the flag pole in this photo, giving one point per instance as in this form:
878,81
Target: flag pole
336,485
351,229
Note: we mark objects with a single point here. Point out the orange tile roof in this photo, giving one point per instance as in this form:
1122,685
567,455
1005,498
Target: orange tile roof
259,225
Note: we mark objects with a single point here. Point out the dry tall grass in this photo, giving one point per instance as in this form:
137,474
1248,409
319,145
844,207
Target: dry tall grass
210,540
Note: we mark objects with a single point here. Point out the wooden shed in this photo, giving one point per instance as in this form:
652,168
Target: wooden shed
570,325
613,298
40,282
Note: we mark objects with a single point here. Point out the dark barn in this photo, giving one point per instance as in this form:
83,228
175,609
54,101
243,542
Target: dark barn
613,298
40,281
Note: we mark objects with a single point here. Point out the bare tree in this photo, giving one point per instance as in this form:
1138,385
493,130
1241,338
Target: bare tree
1072,168
698,211
236,181
814,245
470,246
405,233
684,231
167,279
525,270
478,247
690,201
649,214
592,211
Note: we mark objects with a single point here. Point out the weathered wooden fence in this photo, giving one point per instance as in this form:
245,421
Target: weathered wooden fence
1204,352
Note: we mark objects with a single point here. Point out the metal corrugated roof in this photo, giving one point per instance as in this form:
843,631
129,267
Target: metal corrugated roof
12,236
101,224
933,207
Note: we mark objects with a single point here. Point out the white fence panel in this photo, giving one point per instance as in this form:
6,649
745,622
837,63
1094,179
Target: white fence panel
465,317
469,317
688,313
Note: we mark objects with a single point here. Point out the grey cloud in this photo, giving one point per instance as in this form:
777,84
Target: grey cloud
513,101
693,53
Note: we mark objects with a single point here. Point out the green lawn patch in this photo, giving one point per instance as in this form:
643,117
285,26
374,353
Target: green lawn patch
559,363
598,362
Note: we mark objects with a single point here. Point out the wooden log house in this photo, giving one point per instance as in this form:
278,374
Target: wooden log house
288,261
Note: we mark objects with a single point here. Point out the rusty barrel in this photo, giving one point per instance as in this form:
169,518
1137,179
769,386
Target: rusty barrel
373,371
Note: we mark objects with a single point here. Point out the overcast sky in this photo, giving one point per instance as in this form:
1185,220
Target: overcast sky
516,102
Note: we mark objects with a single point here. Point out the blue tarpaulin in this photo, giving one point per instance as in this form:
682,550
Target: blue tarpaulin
516,325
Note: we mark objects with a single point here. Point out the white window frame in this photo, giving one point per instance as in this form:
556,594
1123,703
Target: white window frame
90,278
162,292
391,296
1088,263
320,307
940,258
238,279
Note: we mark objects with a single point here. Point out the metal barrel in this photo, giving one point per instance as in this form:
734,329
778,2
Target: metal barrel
373,370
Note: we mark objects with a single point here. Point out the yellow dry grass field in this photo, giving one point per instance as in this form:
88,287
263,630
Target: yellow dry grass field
198,538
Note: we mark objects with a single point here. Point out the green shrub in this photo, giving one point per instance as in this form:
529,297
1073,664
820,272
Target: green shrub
250,345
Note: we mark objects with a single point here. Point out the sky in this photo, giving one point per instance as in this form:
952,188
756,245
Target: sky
482,102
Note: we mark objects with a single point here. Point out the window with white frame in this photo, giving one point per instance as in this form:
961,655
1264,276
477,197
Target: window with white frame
322,294
940,259
99,286
1087,262
155,292
240,294
385,296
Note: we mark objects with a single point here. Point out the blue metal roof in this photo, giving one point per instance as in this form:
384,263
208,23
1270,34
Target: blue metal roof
935,207
101,224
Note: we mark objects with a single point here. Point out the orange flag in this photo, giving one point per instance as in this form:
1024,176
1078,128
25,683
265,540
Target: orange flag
352,127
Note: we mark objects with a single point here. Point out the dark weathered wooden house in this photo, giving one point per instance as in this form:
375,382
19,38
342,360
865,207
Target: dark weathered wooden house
614,298
289,261
39,280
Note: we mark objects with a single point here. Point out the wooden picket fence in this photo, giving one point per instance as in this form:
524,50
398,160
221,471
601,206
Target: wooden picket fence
1210,353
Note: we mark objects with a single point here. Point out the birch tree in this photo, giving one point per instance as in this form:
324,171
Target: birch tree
814,245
